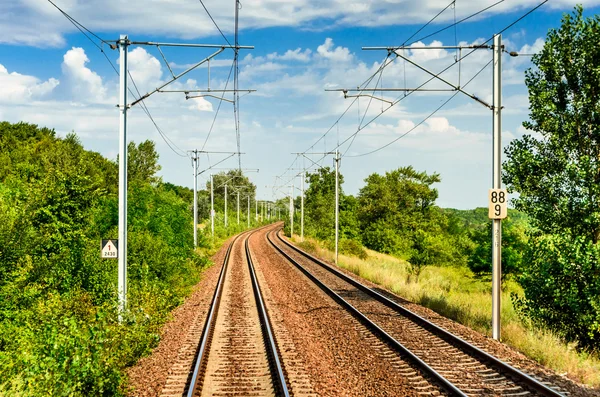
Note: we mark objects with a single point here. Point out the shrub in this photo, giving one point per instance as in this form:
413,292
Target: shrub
561,282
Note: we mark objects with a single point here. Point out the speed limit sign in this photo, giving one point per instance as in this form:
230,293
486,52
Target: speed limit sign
497,204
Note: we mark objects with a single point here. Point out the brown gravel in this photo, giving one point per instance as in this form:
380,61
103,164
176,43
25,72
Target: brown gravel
341,357
237,362
493,347
149,376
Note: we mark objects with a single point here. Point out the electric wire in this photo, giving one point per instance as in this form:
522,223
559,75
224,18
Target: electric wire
424,120
77,24
430,21
459,22
144,107
380,69
444,70
214,22
83,29
218,107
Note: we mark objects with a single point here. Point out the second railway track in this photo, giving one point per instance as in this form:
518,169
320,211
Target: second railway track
459,367
238,353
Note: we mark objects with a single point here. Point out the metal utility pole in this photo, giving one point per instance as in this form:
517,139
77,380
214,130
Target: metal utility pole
212,207
248,211
195,167
337,203
302,211
122,276
291,211
225,205
238,207
122,45
496,108
497,184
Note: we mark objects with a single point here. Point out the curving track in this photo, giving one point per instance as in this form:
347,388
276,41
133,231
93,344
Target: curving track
238,353
457,367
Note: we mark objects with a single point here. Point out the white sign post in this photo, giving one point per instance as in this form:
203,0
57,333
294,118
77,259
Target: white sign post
109,249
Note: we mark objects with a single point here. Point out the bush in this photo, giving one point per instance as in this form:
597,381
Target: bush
352,247
561,281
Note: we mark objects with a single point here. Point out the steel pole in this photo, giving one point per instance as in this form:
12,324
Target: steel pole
195,167
122,272
292,211
225,205
302,211
212,207
497,184
238,207
337,204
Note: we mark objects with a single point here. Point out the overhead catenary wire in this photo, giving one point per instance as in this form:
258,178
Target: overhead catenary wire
385,64
423,120
83,30
441,72
214,22
459,22
218,107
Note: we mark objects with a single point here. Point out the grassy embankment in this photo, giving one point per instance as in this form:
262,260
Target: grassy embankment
455,293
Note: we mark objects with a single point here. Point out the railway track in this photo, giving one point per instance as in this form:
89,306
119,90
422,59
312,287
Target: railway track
237,354
458,367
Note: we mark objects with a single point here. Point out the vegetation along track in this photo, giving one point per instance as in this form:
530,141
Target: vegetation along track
237,354
459,367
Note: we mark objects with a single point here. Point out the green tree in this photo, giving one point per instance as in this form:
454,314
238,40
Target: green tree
514,246
142,164
393,206
319,203
556,172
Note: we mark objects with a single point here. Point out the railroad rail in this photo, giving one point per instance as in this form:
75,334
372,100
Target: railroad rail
232,363
426,340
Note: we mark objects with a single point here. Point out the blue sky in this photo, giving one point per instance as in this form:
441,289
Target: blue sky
52,75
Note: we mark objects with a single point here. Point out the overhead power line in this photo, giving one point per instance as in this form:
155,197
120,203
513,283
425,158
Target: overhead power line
422,121
214,22
426,82
83,31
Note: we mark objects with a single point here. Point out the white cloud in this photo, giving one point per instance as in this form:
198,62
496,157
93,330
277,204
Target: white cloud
292,55
19,88
337,54
84,82
144,68
34,22
201,104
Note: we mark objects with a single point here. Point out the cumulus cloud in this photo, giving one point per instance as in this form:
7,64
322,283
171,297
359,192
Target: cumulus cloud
337,54
292,55
201,104
144,68
85,84
20,88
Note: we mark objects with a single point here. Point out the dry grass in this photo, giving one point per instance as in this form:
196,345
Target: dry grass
456,294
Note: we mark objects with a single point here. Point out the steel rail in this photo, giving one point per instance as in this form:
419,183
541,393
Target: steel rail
268,335
384,336
455,340
208,330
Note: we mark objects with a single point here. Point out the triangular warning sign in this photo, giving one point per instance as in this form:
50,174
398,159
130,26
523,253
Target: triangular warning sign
110,249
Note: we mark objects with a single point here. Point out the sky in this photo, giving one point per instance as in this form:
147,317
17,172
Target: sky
54,76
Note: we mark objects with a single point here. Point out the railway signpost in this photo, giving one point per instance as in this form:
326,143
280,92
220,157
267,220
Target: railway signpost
109,249
497,204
